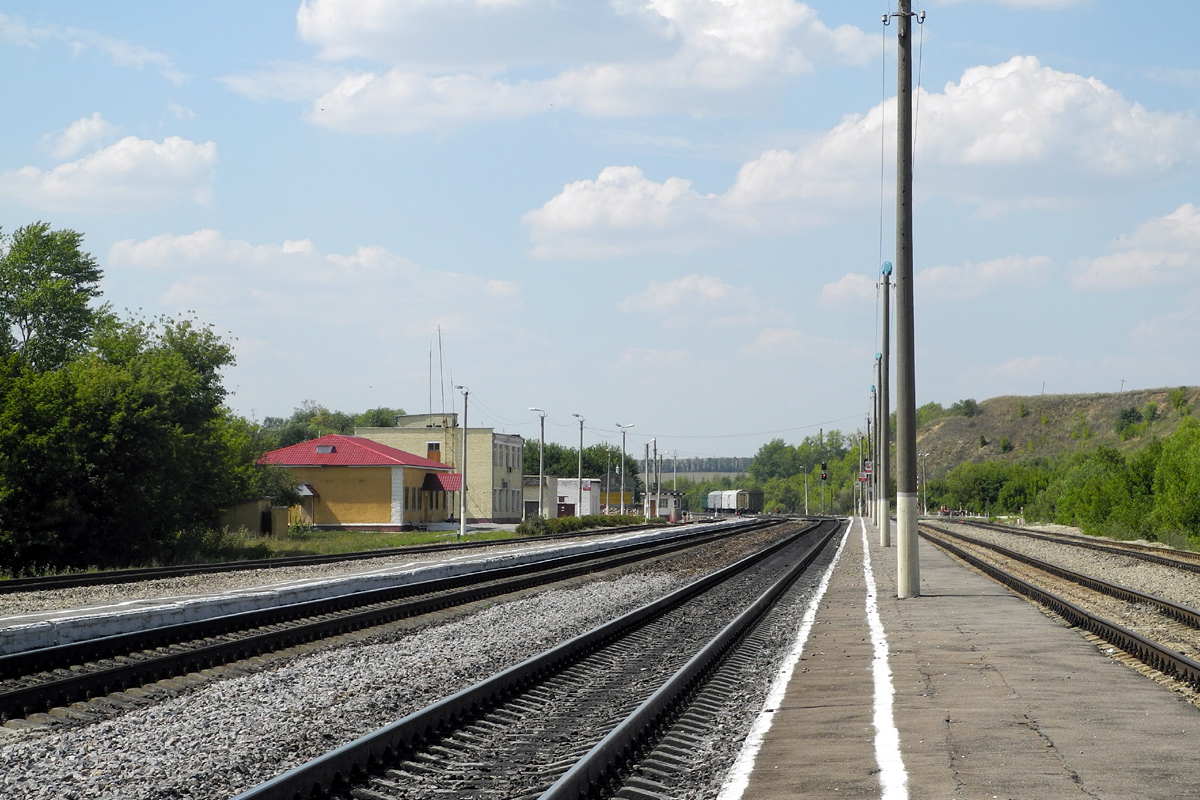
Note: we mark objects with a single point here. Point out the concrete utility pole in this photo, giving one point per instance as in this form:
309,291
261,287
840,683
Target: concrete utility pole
623,429
462,494
871,458
885,414
541,462
579,488
908,569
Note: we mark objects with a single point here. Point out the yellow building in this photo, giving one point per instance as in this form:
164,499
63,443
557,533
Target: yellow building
351,482
494,460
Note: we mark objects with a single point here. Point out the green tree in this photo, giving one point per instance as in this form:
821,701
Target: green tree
47,284
1177,481
107,459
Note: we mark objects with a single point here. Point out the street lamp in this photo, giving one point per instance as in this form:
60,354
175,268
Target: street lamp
579,503
623,429
805,490
541,461
462,494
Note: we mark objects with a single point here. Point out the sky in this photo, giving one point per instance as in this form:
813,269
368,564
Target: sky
664,213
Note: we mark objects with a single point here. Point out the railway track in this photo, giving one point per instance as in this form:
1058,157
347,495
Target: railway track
581,719
1159,633
1179,559
107,577
37,680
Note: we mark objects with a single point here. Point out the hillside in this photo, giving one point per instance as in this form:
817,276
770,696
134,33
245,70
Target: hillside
1016,428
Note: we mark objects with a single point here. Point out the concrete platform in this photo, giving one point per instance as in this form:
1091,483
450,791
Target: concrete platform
991,699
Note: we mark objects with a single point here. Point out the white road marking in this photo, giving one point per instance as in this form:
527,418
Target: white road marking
893,779
739,775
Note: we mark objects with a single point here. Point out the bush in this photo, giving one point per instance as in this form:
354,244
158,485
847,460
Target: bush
1006,445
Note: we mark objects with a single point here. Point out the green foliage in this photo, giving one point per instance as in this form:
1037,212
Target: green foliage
598,459
1176,483
1178,400
1045,418
965,408
110,457
312,420
1127,418
983,442
930,412
1150,412
1082,429
1006,445
1022,409
46,286
536,526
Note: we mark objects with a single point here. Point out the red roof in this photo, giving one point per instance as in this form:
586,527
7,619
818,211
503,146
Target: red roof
336,450
440,481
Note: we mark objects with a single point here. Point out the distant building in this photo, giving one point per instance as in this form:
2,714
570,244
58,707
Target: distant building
494,460
665,504
351,482
568,497
549,498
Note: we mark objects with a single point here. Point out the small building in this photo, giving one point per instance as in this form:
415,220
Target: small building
530,495
666,504
568,497
494,460
352,482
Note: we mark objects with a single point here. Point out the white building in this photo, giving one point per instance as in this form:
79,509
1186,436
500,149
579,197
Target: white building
568,497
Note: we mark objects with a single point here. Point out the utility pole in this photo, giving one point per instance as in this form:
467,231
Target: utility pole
885,413
871,459
623,429
908,569
462,493
541,462
579,487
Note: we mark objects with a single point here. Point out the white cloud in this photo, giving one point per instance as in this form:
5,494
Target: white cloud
1014,134
233,281
132,174
79,136
851,289
1162,251
699,299
1164,335
180,112
119,51
976,280
1028,367
502,60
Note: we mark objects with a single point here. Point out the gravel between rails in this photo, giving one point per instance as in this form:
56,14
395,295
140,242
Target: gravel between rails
85,596
230,735
226,736
1174,584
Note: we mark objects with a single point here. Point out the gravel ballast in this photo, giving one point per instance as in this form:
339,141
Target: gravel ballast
229,735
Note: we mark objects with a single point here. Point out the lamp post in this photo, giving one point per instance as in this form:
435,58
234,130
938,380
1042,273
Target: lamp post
541,461
462,493
579,502
622,467
805,490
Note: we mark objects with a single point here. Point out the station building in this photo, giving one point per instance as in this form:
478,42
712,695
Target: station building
353,482
494,461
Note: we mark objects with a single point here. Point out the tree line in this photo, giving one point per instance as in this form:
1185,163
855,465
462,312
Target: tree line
1151,493
116,446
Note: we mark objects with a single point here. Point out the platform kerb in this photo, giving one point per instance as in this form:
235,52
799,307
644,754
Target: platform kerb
993,699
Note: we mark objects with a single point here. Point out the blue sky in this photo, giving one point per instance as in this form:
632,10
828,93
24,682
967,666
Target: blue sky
659,212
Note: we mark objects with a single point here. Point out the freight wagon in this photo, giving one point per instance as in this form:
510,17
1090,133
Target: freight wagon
735,501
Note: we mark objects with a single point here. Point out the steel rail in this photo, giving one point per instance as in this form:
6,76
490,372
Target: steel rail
1132,551
1161,658
636,735
1181,613
104,577
337,769
389,604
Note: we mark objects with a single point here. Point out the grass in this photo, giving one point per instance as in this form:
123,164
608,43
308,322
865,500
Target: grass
309,542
